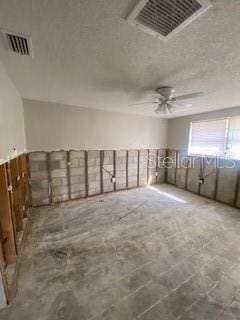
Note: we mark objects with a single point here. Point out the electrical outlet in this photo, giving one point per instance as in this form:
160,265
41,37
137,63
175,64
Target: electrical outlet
156,174
113,179
201,181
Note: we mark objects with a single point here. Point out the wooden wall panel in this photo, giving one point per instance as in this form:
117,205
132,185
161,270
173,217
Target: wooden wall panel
17,196
24,169
6,219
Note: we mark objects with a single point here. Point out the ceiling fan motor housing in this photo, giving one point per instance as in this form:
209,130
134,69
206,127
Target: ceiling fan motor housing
166,92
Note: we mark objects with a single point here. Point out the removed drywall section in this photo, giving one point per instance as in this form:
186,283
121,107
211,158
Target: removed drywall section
11,117
194,174
182,169
161,168
39,177
171,164
209,176
57,176
51,126
77,172
152,166
132,177
178,128
227,181
143,167
107,170
94,172
121,173
57,164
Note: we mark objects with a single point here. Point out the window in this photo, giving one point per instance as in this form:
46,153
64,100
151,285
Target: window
208,137
233,140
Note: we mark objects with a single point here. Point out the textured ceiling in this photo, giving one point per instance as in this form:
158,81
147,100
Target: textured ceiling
86,54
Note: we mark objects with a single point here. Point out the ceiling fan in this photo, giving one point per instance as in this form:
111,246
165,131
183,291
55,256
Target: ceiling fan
167,102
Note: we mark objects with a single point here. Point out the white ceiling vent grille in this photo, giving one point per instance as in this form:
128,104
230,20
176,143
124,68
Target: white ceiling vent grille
18,43
164,18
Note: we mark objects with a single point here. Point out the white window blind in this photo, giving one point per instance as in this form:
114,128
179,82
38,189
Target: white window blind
233,141
208,137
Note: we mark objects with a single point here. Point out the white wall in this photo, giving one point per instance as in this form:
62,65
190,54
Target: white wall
12,133
50,126
178,128
11,117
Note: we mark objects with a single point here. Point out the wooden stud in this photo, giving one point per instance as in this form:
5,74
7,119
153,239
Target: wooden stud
201,174
69,174
114,169
186,175
237,188
148,165
29,187
126,168
49,177
86,173
138,168
101,169
176,166
216,182
22,187
6,221
156,170
17,204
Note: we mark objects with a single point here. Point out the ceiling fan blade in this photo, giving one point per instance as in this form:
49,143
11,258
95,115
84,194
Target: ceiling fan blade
189,96
180,105
149,102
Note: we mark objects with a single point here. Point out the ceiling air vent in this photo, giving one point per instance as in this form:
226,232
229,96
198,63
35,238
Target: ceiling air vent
164,18
18,43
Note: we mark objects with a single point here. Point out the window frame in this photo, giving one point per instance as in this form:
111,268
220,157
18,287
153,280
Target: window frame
226,138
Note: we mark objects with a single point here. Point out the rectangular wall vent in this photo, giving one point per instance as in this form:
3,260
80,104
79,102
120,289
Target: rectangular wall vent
18,43
164,18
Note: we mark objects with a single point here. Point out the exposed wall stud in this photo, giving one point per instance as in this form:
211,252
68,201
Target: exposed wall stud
127,169
101,169
114,169
68,163
86,172
237,189
138,168
49,178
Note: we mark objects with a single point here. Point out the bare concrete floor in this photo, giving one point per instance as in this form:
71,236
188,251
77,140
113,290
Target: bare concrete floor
149,253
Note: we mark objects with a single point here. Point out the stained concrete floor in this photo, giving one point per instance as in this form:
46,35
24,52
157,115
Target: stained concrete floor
149,253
